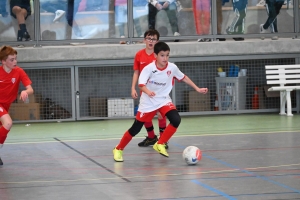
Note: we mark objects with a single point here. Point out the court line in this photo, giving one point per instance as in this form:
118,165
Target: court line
177,136
253,174
213,189
93,161
147,176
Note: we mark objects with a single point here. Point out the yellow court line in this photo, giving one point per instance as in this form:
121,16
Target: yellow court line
148,176
202,135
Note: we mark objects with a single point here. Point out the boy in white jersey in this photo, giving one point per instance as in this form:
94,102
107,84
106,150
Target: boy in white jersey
156,82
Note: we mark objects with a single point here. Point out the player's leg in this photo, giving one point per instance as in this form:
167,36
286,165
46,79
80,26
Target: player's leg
136,127
5,126
162,123
173,116
151,139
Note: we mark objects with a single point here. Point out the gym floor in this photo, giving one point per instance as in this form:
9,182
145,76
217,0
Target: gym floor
244,157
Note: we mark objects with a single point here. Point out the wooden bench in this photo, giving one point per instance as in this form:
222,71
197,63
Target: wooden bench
286,77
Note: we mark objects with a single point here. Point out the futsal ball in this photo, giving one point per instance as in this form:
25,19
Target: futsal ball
192,155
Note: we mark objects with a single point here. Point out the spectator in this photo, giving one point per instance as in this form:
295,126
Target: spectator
201,11
20,9
170,7
238,24
273,8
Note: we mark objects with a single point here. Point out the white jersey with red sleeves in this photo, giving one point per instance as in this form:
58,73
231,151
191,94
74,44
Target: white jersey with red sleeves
159,81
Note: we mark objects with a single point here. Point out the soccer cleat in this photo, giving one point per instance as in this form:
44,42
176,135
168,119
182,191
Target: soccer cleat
160,148
262,30
118,155
1,163
148,142
58,15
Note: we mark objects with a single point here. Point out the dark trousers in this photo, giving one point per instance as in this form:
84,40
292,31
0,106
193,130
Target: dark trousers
273,8
171,13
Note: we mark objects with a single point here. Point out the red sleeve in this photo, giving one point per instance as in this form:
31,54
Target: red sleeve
136,64
24,78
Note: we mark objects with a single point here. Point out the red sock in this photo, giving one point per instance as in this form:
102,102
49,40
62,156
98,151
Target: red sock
150,129
162,123
3,134
124,141
170,130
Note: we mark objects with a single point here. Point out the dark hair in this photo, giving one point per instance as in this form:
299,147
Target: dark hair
161,46
151,32
5,51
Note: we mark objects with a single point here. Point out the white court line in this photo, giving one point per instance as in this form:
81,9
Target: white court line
148,176
202,135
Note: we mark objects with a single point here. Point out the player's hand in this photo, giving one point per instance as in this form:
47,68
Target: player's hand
134,94
202,90
151,94
165,5
24,96
158,6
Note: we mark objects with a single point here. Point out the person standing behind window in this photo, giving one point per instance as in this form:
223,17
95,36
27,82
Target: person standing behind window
201,11
170,7
20,10
273,8
238,23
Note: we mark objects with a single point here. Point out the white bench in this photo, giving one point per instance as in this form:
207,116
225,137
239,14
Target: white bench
282,75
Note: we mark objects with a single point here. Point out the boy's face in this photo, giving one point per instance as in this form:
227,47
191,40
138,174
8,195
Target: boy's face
10,62
150,41
162,59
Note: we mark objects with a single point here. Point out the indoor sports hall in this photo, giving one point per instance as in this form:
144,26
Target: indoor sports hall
242,158
79,57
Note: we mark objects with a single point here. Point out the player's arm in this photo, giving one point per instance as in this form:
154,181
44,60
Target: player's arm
144,89
24,94
135,78
188,81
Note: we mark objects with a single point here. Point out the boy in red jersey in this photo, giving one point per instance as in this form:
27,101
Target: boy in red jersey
10,77
142,58
156,83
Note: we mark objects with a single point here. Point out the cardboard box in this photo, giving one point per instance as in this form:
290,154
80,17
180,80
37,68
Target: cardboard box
199,102
33,98
24,111
98,106
272,93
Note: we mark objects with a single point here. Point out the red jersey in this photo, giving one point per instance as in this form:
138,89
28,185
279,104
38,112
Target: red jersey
142,59
9,84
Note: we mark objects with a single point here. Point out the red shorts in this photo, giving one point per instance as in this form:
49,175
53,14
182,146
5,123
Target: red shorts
147,117
4,109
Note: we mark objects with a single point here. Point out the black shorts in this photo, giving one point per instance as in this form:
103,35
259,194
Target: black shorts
25,4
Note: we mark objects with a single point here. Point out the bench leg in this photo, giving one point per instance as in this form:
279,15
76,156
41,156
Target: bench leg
282,102
289,103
